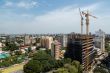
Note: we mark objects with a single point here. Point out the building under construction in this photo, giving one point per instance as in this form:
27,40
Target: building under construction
80,47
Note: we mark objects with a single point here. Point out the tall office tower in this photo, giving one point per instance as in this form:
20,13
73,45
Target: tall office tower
46,41
55,51
80,48
100,40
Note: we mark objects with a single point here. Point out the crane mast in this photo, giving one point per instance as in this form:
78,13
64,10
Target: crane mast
81,21
87,23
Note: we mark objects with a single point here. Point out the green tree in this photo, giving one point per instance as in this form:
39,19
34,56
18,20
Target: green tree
47,63
33,67
66,60
62,70
42,59
80,69
76,63
41,55
73,69
11,46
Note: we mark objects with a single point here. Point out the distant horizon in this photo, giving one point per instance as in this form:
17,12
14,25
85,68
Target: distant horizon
41,33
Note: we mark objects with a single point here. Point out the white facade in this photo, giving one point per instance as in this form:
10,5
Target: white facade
64,41
100,40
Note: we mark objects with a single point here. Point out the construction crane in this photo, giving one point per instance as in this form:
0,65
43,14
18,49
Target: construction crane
87,15
87,20
81,21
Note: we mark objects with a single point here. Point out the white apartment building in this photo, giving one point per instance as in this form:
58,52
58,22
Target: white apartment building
99,40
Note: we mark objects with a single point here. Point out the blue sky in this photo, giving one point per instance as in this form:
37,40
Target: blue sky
51,16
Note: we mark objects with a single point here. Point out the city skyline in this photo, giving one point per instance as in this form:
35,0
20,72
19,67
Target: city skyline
51,16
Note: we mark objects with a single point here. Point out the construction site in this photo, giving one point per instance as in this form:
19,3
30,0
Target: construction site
81,45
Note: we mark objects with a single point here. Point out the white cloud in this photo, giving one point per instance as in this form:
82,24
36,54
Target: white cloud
21,4
27,4
8,4
62,20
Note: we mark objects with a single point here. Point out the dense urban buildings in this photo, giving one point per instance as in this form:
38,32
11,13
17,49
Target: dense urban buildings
83,48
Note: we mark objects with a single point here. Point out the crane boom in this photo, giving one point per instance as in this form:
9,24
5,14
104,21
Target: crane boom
87,20
88,14
92,16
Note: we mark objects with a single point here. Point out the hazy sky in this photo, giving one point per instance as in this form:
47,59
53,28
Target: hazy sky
52,16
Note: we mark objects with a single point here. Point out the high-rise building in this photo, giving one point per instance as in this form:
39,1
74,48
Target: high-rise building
80,48
55,51
99,40
62,38
46,42
65,40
